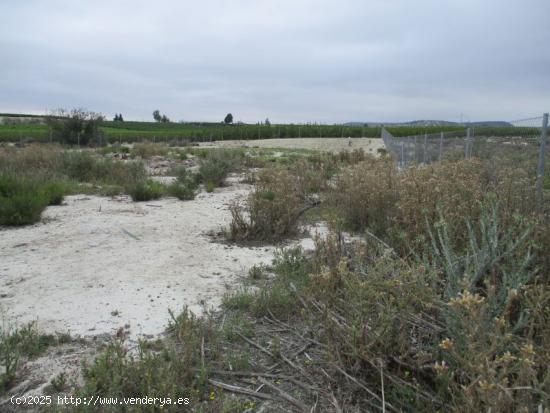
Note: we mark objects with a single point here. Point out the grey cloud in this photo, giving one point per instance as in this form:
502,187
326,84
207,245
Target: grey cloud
294,61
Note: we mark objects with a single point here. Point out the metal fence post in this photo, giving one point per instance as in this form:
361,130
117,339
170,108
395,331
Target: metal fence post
425,146
472,139
466,147
415,151
542,154
402,155
441,147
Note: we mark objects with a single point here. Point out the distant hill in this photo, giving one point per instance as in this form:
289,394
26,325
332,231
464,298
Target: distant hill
420,123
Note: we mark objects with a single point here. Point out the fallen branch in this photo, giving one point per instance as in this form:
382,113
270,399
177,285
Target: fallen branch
262,349
307,208
241,390
268,375
285,395
369,391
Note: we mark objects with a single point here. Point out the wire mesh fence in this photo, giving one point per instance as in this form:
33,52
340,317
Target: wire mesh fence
522,144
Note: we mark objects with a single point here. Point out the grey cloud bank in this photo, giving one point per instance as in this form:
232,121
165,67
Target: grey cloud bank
291,61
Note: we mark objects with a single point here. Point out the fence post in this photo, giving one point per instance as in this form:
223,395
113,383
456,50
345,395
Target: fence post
472,139
425,145
466,146
441,147
542,154
402,155
415,151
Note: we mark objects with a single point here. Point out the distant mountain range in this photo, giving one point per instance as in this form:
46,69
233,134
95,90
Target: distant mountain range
495,123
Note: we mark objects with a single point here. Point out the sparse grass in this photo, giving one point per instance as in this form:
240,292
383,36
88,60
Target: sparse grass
66,169
146,150
240,300
116,148
19,343
85,167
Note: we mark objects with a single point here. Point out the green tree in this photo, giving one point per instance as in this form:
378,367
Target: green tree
164,119
156,116
77,127
267,122
228,119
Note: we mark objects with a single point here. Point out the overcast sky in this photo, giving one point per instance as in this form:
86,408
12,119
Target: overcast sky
289,60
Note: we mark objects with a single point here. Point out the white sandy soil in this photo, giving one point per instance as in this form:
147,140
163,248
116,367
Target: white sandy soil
96,264
369,145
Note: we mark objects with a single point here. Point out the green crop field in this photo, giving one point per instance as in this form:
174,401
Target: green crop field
196,132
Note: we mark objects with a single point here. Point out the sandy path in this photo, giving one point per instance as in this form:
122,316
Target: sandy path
81,270
369,145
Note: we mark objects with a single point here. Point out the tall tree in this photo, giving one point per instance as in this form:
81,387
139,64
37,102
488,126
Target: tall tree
156,116
228,119
267,122
77,127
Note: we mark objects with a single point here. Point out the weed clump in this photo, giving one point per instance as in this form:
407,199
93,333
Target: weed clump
185,186
273,209
216,165
146,191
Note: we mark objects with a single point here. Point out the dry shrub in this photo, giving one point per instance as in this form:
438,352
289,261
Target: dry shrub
475,346
272,209
311,175
401,206
453,189
146,150
31,160
216,166
351,157
366,194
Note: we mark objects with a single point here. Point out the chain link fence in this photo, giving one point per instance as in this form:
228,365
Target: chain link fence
523,143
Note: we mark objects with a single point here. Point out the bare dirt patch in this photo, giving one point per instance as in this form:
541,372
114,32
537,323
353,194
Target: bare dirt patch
96,264
369,145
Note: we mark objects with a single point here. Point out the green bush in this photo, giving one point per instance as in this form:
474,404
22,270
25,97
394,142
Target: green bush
22,200
146,190
185,186
216,166
55,191
183,191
